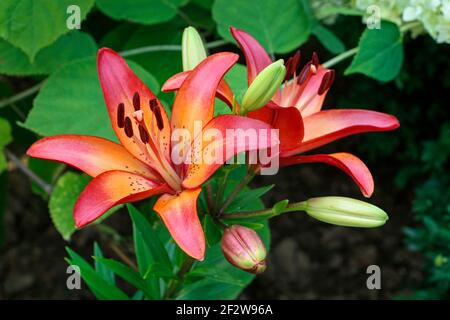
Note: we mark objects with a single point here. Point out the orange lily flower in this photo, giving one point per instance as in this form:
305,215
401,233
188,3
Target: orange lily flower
296,110
141,165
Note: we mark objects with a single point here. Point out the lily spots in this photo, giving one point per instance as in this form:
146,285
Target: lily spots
138,184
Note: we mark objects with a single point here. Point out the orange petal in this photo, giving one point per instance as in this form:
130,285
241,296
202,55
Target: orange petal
92,155
179,214
195,99
329,125
123,90
109,189
224,91
222,138
350,164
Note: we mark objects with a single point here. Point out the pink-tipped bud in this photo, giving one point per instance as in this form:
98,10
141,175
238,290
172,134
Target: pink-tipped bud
243,248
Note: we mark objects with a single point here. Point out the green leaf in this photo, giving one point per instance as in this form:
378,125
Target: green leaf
128,275
5,139
151,239
213,232
62,200
380,53
68,48
101,268
141,11
71,101
280,26
246,197
279,207
328,39
98,285
34,24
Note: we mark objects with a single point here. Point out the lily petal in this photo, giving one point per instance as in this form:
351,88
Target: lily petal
222,138
179,214
350,164
125,94
195,99
289,122
329,125
174,83
256,56
109,189
93,155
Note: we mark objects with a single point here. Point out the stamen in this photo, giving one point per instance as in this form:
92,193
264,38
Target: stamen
143,134
296,60
153,104
128,127
326,83
120,115
291,65
315,59
304,73
157,112
136,101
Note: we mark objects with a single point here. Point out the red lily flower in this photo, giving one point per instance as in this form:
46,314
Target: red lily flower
141,165
296,111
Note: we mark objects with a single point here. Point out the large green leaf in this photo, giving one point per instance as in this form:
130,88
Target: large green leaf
34,24
5,138
328,39
73,46
141,11
380,53
101,268
280,26
99,286
71,101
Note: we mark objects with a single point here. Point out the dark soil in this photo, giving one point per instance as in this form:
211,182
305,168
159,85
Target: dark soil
308,259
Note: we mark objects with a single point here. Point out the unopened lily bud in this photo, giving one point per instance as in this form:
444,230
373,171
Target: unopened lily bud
347,212
193,50
243,248
264,86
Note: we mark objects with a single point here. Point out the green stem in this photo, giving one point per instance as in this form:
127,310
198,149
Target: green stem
174,283
21,95
249,177
166,47
298,206
220,192
409,26
340,57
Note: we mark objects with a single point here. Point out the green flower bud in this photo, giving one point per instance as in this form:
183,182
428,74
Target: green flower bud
347,212
193,50
264,87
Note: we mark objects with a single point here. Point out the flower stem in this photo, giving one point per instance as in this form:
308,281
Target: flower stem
249,177
21,95
340,57
298,206
173,284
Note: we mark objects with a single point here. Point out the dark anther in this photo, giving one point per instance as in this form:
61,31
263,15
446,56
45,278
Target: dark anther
143,134
159,120
304,73
128,127
315,59
326,83
136,102
292,64
153,104
121,115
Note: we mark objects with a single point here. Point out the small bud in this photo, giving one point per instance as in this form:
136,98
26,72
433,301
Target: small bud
193,50
264,87
347,212
243,248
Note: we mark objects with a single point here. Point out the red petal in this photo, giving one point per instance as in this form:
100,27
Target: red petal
350,164
92,155
222,138
224,91
109,189
329,125
289,122
195,99
179,214
256,56
120,85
